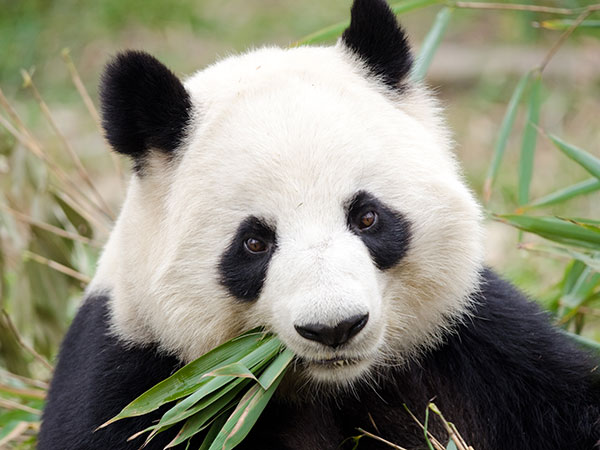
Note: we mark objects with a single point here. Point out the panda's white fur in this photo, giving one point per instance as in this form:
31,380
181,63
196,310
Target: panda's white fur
290,135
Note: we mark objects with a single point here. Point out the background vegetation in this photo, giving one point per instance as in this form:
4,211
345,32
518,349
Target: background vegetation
521,89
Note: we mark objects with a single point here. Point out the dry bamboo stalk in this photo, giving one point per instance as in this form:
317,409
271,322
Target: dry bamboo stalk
434,441
28,82
87,100
17,432
514,7
9,404
33,393
30,143
23,344
36,383
81,210
51,228
380,439
57,266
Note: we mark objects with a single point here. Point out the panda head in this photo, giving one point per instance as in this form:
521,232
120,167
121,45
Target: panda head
309,190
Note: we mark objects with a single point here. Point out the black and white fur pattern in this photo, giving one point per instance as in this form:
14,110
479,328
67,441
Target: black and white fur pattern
292,147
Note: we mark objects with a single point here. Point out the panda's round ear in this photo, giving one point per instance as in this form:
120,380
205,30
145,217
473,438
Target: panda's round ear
375,36
144,106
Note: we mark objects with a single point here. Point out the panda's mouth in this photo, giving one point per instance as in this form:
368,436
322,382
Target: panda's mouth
334,363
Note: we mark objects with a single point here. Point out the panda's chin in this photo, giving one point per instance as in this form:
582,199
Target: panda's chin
338,370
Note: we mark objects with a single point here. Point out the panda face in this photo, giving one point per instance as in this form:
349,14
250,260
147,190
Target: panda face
308,197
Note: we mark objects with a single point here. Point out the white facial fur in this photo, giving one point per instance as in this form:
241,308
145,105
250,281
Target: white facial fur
290,136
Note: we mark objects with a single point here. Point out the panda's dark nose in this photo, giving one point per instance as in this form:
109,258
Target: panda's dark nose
336,335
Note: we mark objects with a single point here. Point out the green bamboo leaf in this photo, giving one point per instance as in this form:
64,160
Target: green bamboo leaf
562,195
554,229
431,43
589,259
529,141
213,431
187,379
584,342
583,158
503,135
245,416
269,347
235,369
333,31
583,288
205,416
276,368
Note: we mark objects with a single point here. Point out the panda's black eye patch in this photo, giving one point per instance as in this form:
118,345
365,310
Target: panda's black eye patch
244,264
385,232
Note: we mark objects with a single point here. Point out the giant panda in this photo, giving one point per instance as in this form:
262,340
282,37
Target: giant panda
312,191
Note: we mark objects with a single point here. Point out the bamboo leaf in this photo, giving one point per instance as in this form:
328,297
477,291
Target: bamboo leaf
276,368
431,43
213,431
235,369
583,158
585,342
590,259
554,229
205,416
529,141
583,288
333,31
245,416
504,133
187,379
269,348
562,195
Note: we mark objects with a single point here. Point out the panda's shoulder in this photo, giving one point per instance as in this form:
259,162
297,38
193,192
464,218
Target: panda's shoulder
95,377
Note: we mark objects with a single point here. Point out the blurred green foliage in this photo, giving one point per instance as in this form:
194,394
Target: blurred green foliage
527,178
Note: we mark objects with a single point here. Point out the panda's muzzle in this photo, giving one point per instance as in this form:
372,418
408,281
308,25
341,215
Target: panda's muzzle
333,336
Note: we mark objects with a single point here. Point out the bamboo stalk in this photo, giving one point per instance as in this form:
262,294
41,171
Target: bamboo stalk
89,104
515,7
32,393
23,344
28,82
380,439
81,210
36,383
30,143
51,228
9,404
57,266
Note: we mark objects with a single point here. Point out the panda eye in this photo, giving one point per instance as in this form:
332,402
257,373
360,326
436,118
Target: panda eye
367,220
254,245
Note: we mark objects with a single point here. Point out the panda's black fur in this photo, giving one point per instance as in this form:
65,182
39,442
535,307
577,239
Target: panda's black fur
504,376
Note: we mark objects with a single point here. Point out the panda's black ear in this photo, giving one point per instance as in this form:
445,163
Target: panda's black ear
144,106
375,36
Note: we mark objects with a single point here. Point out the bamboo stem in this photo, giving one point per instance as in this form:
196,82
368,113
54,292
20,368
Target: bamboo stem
57,266
51,228
23,344
89,104
28,82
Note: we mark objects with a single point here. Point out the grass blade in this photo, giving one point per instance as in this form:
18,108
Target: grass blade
333,31
562,195
565,24
583,288
581,157
529,141
503,135
431,43
554,229
584,342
